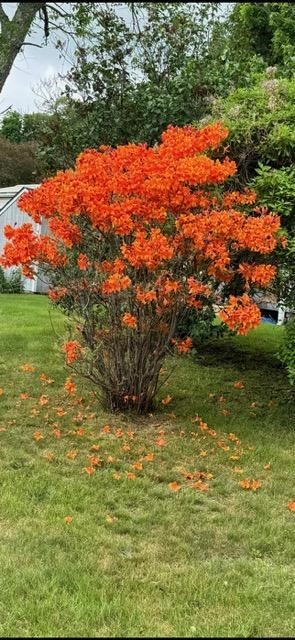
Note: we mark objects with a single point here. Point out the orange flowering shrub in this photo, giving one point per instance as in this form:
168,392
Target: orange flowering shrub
136,236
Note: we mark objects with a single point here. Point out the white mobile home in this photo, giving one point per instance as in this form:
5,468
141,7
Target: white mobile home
11,214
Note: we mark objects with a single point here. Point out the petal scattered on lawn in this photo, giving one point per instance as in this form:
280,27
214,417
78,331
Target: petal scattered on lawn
49,456
125,447
130,475
137,465
106,429
161,442
72,454
27,367
200,485
149,457
174,486
250,484
238,384
37,436
70,386
89,470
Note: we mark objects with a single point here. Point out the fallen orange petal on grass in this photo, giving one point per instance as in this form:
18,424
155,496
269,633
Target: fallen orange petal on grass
291,505
117,476
70,386
256,484
95,447
106,429
60,411
200,486
80,431
174,486
245,484
44,378
95,460
137,465
68,519
37,436
250,484
130,475
89,470
56,433
167,399
149,457
49,456
27,367
267,466
43,400
72,454
238,385
161,442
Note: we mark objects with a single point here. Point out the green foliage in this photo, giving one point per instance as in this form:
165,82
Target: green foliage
261,122
287,350
266,29
276,191
201,326
11,127
23,128
18,163
11,283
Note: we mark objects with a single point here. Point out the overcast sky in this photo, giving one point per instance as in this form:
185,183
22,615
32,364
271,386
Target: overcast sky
29,68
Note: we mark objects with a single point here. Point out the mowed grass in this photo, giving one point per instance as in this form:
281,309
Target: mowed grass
139,559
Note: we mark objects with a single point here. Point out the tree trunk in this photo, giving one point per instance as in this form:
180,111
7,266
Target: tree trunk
13,34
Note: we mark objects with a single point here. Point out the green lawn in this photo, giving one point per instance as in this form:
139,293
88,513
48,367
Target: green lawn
139,559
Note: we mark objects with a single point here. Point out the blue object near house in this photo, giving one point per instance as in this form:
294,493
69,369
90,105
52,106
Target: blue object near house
268,319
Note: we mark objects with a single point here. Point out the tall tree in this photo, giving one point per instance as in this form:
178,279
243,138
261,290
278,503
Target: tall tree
13,33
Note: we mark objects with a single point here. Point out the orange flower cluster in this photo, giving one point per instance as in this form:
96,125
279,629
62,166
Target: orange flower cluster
83,262
260,274
129,321
72,350
183,346
241,314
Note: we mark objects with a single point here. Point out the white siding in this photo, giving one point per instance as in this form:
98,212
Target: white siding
14,217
